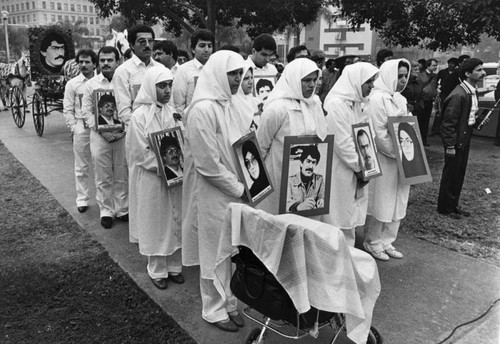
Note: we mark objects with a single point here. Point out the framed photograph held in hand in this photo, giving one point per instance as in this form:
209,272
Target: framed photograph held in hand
412,162
251,169
306,175
105,112
168,145
367,151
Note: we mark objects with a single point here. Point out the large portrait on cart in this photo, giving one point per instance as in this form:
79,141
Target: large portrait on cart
367,151
251,169
50,48
105,112
168,145
306,175
411,159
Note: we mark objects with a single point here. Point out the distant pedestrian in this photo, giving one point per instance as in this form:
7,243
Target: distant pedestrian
457,125
428,80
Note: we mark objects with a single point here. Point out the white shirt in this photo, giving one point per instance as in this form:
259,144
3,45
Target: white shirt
475,104
127,81
174,69
267,70
88,102
184,83
72,102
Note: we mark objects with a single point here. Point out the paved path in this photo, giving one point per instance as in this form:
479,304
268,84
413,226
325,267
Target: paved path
424,296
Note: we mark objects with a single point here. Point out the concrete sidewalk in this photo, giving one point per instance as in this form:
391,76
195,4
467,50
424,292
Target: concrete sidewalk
424,296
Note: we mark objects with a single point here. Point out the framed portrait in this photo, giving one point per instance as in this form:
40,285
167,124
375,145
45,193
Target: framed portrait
105,112
411,159
263,84
50,48
168,145
367,151
251,169
306,175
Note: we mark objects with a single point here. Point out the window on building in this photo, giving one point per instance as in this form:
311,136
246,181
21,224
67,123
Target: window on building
91,20
17,7
72,7
52,6
65,7
53,18
85,20
85,8
23,19
97,21
91,9
18,19
45,19
27,6
34,17
97,32
33,5
44,5
28,18
13,20
91,31
59,6
79,8
66,18
72,19
79,18
22,7
59,18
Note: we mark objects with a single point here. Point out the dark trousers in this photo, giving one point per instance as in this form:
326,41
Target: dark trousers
424,118
452,180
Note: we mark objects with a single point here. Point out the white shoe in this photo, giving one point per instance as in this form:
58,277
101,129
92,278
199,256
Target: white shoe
380,255
391,252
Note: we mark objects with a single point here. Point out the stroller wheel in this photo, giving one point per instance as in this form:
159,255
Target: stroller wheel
253,337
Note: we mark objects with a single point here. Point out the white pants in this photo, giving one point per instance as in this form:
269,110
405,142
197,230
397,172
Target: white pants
379,236
350,236
161,266
215,308
81,151
110,170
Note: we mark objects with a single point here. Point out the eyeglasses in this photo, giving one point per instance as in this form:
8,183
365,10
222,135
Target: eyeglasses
172,151
250,162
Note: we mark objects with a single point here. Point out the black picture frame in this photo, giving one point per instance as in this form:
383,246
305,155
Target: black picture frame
259,187
411,159
100,123
367,155
290,197
159,141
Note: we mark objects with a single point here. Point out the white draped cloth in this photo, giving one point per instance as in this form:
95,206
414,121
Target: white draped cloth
214,122
343,105
156,212
388,196
310,259
287,113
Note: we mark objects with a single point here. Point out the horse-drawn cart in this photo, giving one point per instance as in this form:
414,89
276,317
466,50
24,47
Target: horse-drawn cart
52,63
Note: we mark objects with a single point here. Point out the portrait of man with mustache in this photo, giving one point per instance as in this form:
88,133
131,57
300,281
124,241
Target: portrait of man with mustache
52,53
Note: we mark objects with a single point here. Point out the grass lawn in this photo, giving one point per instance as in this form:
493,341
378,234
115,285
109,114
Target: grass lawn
57,285
477,236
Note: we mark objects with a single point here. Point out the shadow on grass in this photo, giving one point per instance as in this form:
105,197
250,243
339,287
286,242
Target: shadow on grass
57,285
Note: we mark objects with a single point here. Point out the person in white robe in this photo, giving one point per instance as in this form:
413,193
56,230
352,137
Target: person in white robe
249,102
343,105
157,209
388,196
290,110
214,122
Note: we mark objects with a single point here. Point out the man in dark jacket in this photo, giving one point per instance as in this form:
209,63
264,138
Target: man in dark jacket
459,119
497,96
428,81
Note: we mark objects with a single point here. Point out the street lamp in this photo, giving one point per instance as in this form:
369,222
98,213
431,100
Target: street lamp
5,17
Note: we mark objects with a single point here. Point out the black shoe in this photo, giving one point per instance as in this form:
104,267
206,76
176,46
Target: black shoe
237,319
106,221
462,212
178,279
160,283
226,326
83,208
123,218
454,216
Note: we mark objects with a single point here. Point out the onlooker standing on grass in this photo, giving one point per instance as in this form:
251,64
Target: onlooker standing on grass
459,119
127,81
72,111
413,91
107,147
167,54
428,80
213,125
202,46
159,223
388,196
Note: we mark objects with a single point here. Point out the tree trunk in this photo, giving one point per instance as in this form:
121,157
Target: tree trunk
296,41
211,15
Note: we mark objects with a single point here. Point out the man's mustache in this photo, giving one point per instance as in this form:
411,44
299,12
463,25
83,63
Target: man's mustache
309,170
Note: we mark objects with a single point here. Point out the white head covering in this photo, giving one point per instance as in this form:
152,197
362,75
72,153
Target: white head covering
147,93
289,86
388,81
348,86
213,85
248,104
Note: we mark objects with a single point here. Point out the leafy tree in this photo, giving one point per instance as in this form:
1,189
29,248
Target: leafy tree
433,24
256,16
18,41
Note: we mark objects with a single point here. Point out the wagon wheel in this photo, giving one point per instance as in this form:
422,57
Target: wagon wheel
39,112
253,337
18,106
